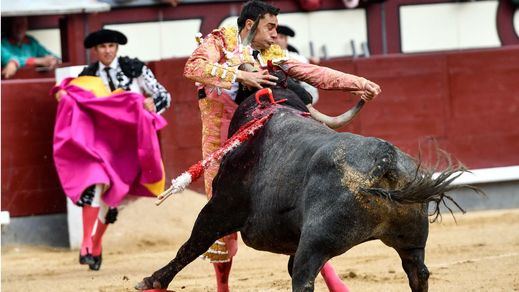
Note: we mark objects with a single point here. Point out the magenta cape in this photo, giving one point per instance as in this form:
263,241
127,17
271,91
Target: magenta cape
111,140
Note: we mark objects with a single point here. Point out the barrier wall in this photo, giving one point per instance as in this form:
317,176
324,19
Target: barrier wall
466,103
30,183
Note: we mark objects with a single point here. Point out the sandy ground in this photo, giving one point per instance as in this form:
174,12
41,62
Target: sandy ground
479,253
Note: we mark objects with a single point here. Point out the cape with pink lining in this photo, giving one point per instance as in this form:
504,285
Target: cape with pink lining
110,140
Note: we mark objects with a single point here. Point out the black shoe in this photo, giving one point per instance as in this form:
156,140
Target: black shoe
86,259
96,264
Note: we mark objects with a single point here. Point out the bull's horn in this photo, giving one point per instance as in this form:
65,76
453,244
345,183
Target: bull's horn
338,121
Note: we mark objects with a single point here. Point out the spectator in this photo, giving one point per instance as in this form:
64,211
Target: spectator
21,50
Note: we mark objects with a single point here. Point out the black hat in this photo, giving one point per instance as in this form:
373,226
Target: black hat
104,36
283,29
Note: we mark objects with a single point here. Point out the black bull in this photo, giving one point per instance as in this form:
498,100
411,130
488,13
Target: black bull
302,189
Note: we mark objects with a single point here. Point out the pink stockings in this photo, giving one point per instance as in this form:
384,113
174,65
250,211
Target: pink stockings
222,275
92,241
89,220
332,280
97,238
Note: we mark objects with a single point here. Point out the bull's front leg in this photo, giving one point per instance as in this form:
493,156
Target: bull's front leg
161,278
212,223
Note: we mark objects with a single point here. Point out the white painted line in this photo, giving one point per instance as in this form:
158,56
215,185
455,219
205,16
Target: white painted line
488,175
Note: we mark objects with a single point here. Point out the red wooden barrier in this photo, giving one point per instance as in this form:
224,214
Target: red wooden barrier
29,180
465,102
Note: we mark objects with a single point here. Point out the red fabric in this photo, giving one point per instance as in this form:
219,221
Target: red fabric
196,171
30,61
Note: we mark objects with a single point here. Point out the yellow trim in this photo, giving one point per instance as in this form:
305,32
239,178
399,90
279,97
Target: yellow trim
231,74
93,84
157,188
274,52
230,35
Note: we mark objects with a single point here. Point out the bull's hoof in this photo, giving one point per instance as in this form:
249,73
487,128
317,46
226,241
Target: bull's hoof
148,284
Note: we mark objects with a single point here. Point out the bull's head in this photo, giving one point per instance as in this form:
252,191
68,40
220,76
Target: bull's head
286,82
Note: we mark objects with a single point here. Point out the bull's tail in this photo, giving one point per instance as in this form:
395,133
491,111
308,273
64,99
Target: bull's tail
427,187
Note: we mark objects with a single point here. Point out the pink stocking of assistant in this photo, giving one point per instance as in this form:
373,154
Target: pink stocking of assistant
332,280
97,238
89,219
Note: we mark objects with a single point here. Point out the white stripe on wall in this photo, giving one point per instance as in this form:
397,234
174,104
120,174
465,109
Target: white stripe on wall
448,26
158,40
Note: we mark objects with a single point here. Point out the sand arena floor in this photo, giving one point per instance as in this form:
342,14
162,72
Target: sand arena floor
479,253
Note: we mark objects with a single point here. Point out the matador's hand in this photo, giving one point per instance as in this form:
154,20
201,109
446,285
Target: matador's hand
60,94
149,105
10,69
255,79
371,90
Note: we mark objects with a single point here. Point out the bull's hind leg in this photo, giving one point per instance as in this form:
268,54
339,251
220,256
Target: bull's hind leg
212,223
307,264
330,277
413,264
320,241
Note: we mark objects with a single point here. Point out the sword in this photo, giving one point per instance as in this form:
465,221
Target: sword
252,32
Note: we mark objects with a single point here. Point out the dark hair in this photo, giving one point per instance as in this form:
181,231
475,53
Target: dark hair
255,9
7,23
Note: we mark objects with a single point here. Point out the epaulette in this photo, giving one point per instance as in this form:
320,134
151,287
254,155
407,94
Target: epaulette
132,68
229,36
275,54
90,70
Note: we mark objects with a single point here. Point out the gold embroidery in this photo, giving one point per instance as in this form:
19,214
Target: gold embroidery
230,35
275,54
222,71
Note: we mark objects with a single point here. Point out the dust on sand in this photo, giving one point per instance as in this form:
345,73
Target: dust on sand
479,253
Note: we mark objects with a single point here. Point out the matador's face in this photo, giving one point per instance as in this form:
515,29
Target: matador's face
106,52
266,33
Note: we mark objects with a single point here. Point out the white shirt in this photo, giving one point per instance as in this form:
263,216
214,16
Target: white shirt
114,66
145,84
